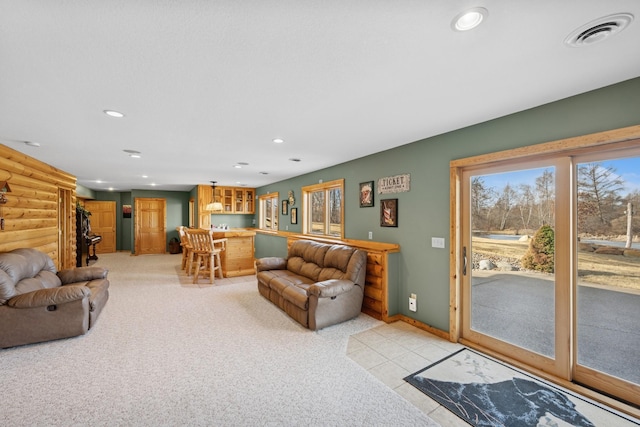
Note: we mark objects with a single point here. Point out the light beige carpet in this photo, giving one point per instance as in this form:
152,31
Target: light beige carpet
166,352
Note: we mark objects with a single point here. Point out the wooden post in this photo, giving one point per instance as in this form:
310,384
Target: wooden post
629,230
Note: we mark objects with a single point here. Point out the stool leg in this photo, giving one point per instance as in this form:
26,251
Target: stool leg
190,263
211,269
218,265
197,273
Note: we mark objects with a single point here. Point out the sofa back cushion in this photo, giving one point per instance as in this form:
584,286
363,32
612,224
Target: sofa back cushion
25,270
306,258
322,261
336,261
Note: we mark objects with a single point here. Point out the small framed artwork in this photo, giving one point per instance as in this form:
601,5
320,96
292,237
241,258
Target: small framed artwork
285,207
389,213
294,215
126,211
366,194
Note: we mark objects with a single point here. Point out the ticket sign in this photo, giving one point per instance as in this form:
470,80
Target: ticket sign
394,184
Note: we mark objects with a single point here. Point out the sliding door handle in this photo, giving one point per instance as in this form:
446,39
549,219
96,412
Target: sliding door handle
464,260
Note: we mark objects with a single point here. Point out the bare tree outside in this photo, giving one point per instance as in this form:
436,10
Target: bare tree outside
599,198
545,194
505,205
526,204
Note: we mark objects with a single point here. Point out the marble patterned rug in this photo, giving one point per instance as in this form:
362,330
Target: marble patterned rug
485,392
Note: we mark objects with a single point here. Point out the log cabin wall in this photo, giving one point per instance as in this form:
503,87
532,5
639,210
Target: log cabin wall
40,209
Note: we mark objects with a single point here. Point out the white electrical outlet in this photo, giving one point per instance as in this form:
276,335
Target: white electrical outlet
370,235
413,302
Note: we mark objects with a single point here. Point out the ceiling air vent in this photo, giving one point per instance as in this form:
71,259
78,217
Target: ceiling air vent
599,30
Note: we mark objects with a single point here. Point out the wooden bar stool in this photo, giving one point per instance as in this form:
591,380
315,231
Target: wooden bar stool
186,248
204,254
219,245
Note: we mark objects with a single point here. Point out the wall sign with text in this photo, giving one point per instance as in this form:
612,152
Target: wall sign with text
394,184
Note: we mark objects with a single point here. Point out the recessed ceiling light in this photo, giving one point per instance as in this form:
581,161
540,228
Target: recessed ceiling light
263,173
145,176
598,30
469,19
237,166
293,159
278,140
131,151
243,163
135,156
32,144
113,113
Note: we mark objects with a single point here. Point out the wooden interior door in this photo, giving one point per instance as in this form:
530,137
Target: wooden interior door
103,223
150,226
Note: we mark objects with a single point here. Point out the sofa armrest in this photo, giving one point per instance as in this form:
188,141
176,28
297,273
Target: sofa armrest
51,296
330,288
82,274
271,263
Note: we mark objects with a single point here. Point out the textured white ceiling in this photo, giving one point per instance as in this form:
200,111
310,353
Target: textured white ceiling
207,84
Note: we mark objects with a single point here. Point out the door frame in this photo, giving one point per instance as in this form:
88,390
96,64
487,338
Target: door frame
622,138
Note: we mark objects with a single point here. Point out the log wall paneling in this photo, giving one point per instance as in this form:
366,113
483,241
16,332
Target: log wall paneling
40,210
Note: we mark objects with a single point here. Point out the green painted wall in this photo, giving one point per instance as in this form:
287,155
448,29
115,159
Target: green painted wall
424,211
177,213
232,221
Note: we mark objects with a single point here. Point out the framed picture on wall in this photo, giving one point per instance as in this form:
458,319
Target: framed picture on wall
366,194
294,215
285,207
126,211
389,213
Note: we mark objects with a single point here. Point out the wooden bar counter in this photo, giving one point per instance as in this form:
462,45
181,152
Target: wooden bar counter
238,258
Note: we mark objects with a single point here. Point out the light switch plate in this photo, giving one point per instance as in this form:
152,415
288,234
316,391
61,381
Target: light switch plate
437,242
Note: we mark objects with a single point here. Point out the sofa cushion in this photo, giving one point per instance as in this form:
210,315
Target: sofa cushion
21,264
335,262
306,258
42,280
59,295
279,283
7,287
296,296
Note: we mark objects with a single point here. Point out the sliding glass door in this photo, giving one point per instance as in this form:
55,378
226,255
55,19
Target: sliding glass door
513,297
608,271
550,264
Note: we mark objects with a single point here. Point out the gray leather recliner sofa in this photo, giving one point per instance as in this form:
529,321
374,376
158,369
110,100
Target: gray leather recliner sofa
38,303
317,284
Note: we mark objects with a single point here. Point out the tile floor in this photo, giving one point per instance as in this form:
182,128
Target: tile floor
392,351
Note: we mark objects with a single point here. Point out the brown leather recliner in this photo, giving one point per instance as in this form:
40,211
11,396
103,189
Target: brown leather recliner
317,284
37,303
